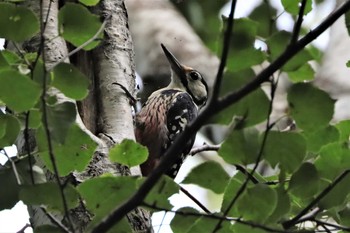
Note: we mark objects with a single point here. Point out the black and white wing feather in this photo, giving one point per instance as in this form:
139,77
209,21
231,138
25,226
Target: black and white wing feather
181,112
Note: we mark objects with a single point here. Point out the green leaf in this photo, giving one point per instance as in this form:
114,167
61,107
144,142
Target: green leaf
334,158
78,25
300,186
3,63
251,56
310,107
17,23
344,130
26,94
49,194
3,124
10,128
263,15
34,119
114,190
11,57
321,137
89,2
244,34
73,155
161,192
204,224
282,207
9,190
209,175
286,149
338,195
252,109
304,73
60,119
257,203
239,228
241,146
128,153
70,81
39,73
277,45
181,223
344,216
230,191
293,6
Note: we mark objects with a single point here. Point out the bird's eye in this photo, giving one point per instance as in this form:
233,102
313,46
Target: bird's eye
194,75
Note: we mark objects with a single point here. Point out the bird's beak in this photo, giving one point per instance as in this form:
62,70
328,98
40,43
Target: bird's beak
174,63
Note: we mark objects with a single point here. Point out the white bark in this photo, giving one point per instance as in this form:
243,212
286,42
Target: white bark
114,63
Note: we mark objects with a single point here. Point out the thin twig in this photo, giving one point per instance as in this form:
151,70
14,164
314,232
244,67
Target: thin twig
309,216
325,229
22,230
224,55
77,49
161,223
131,98
169,156
288,224
14,168
338,227
46,123
297,25
205,147
55,221
246,173
195,200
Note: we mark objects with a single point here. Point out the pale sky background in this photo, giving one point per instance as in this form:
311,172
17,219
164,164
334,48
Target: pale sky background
15,219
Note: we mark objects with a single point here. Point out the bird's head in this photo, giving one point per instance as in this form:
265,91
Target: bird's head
187,79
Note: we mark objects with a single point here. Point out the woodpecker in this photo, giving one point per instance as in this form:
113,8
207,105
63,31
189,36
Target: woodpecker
166,113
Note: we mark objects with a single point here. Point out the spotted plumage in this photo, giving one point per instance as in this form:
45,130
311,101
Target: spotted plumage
167,112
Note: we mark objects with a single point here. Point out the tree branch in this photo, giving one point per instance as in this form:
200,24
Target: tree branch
187,193
297,25
170,155
205,147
